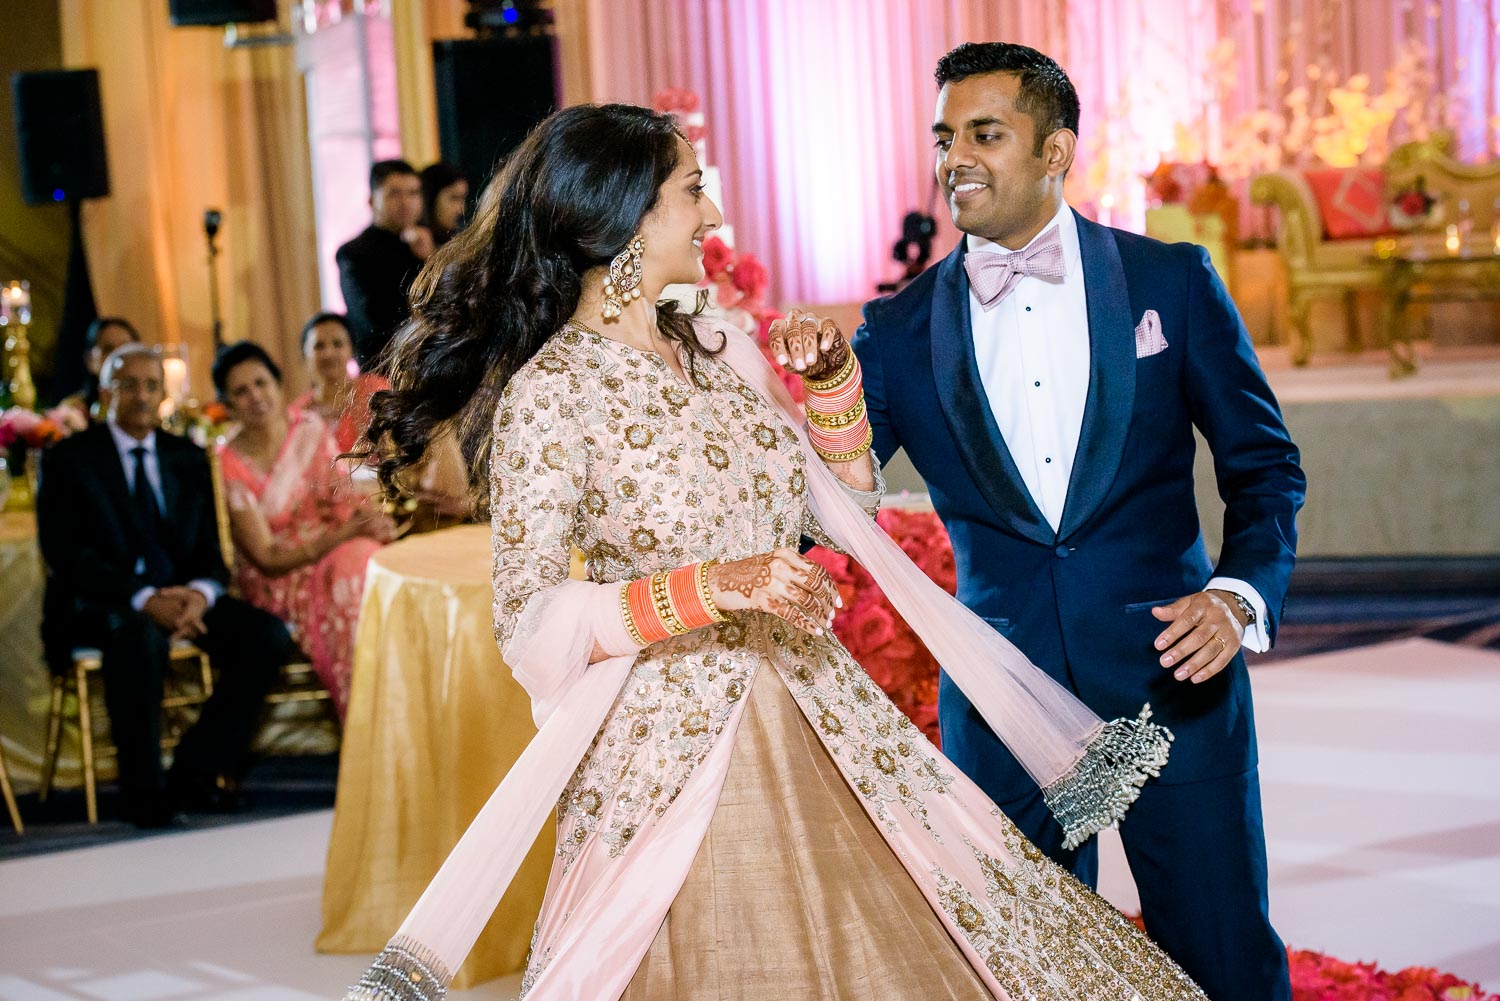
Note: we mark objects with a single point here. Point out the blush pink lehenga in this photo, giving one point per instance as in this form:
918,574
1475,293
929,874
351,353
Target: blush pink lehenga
306,494
742,812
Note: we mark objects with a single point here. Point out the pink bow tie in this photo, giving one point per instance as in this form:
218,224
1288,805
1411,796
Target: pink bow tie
995,276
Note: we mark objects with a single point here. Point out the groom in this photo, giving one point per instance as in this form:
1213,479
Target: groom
1045,379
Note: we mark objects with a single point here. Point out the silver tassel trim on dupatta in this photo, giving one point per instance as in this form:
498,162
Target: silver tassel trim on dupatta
404,971
1099,789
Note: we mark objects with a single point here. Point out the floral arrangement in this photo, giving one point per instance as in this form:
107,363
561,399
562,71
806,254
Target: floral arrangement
1324,117
202,423
683,105
1316,977
29,429
740,283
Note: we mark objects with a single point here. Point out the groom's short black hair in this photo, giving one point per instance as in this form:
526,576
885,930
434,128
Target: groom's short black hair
1047,95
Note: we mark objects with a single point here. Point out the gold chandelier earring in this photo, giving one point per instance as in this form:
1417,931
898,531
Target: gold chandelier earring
623,286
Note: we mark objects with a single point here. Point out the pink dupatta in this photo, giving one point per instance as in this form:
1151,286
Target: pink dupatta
1090,771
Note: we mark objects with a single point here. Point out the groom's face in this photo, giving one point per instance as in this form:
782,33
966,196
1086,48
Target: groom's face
995,183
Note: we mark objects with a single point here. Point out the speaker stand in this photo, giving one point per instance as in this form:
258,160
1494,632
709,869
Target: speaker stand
213,292
78,311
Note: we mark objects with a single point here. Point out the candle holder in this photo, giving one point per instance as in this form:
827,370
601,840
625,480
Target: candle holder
175,374
15,316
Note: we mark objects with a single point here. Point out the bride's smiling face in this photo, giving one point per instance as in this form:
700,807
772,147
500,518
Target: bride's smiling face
674,230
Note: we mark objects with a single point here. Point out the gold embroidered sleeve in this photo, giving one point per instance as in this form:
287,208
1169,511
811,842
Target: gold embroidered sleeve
538,468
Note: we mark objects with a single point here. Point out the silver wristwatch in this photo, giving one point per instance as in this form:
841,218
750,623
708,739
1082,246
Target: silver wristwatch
1245,606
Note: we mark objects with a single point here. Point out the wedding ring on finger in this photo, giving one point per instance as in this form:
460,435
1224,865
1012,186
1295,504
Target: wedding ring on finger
1223,646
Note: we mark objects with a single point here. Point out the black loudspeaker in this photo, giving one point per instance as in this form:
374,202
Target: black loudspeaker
187,13
60,136
490,93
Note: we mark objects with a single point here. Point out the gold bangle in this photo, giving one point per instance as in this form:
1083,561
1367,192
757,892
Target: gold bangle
630,626
845,372
851,455
663,602
835,421
707,595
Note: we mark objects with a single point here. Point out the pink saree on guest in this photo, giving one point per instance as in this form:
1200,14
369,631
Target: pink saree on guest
305,495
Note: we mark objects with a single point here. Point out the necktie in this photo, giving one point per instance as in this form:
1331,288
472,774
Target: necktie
153,551
995,276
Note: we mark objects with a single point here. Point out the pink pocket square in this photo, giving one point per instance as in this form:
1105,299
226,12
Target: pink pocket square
1148,336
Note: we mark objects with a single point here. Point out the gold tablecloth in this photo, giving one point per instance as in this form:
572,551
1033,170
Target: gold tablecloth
435,721
25,686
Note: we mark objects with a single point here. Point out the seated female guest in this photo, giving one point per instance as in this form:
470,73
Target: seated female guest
302,533
343,401
340,394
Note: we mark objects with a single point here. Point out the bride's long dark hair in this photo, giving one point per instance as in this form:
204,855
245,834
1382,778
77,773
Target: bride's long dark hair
568,199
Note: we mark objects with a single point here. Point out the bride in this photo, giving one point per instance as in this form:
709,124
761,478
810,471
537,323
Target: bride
740,811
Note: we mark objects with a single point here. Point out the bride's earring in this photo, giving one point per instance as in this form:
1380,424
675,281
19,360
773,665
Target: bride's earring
623,286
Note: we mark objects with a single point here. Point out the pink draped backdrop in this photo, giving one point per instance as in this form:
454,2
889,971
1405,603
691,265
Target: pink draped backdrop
819,112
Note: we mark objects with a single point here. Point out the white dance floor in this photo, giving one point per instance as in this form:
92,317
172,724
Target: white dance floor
1381,771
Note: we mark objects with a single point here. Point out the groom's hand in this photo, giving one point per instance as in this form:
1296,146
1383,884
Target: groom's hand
1204,635
811,346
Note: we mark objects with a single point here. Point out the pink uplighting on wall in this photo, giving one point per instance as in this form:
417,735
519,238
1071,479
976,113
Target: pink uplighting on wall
819,113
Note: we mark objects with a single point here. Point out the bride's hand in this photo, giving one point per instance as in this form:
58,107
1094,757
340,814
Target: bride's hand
809,345
784,583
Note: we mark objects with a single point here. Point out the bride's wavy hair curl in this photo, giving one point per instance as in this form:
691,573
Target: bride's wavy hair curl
568,199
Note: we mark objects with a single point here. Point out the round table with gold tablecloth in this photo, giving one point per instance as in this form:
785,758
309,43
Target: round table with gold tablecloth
435,721
25,685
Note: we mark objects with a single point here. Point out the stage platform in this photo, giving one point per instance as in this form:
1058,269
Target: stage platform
1382,818
1396,467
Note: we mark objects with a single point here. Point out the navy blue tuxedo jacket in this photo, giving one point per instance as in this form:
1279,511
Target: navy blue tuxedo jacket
1077,601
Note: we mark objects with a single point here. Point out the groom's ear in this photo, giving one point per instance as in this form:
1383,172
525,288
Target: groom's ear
1058,150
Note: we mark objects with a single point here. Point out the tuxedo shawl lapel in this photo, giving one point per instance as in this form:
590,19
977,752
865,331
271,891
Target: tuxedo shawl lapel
1111,396
966,407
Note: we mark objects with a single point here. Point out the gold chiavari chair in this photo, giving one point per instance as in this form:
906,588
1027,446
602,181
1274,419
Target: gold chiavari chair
78,682
10,795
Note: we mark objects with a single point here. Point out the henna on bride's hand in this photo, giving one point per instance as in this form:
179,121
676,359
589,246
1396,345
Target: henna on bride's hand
745,576
829,361
791,613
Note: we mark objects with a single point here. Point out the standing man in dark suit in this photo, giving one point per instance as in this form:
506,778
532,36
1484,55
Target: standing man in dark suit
126,523
377,267
1045,380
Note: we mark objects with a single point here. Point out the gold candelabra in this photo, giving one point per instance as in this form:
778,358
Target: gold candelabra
15,316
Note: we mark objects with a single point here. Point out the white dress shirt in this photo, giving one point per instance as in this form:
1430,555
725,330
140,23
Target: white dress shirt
1032,349
126,446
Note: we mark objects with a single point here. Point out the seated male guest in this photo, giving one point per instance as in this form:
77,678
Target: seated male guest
377,267
125,517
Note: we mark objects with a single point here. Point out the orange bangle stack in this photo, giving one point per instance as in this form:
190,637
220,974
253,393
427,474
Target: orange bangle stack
838,426
669,604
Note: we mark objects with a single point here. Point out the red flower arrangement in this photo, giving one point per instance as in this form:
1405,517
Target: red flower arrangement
1316,977
675,101
751,278
718,260
680,103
